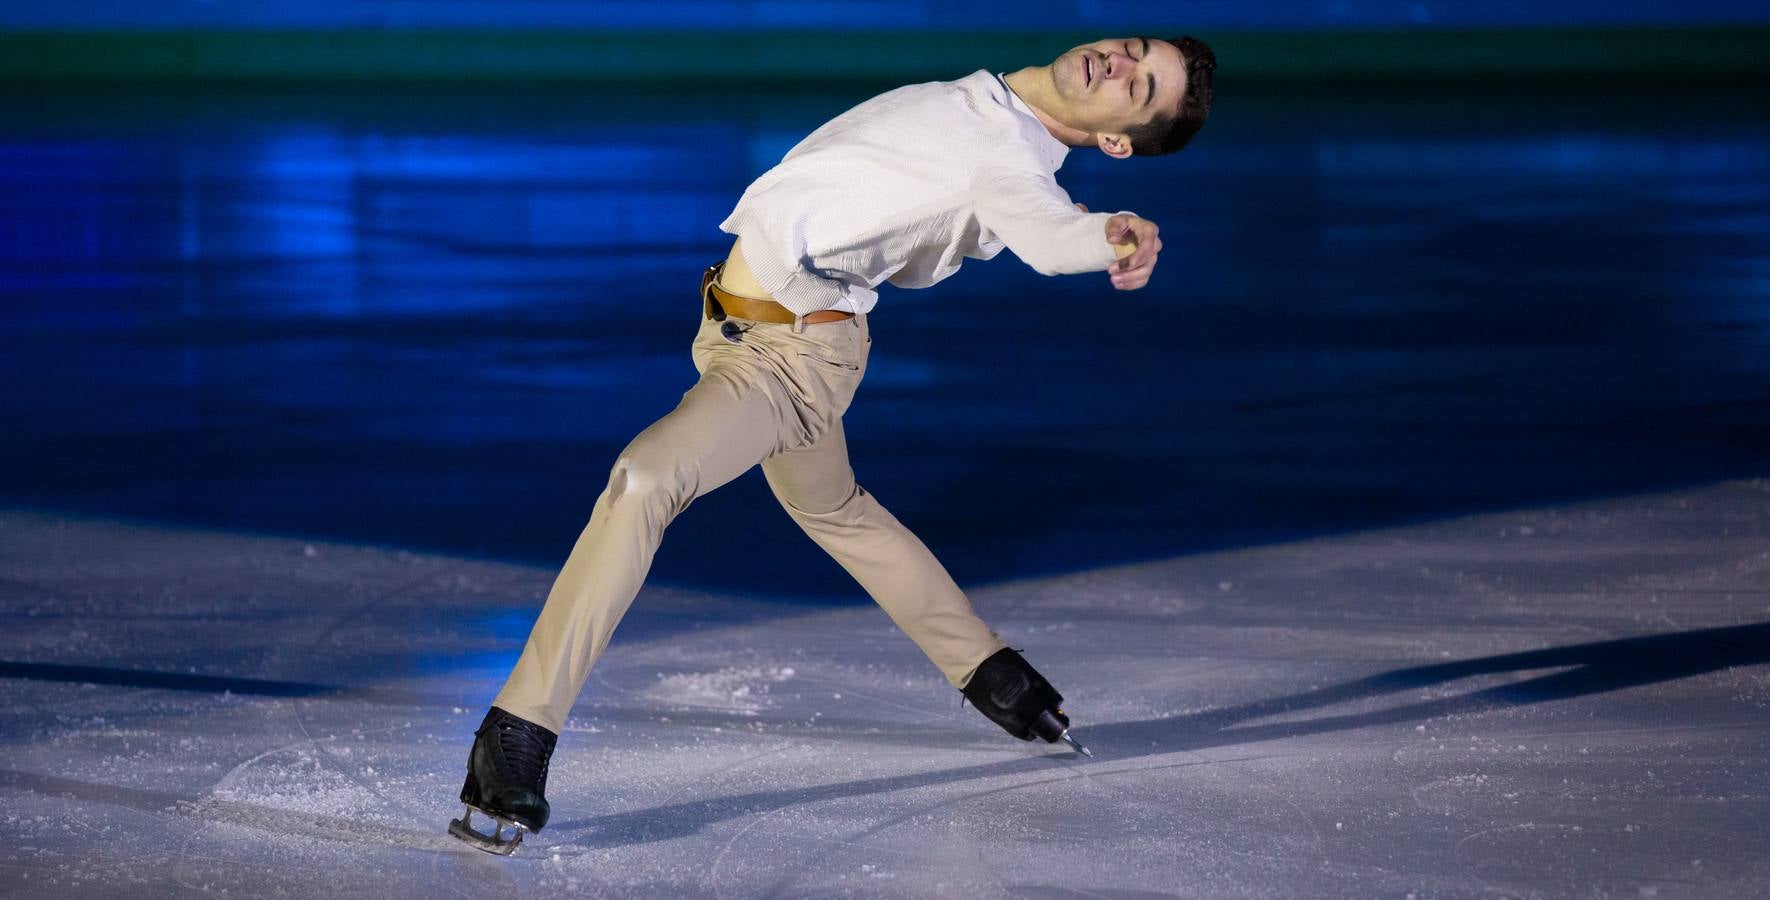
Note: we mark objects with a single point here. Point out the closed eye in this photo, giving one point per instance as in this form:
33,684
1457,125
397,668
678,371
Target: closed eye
1149,92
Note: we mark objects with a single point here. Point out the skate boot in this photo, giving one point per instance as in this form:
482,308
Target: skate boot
1015,696
506,778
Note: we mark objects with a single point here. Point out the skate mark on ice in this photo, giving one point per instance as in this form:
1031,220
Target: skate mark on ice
198,805
718,884
1053,892
712,773
1467,865
600,674
402,591
1315,836
719,858
713,879
922,712
339,829
973,795
1143,686
228,780
210,810
707,775
862,838
349,772
438,842
690,817
788,879
825,727
1400,754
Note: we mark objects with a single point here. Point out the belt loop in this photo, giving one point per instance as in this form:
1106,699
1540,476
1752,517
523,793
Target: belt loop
798,324
707,280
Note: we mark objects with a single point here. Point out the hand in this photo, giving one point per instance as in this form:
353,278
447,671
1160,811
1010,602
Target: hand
1132,272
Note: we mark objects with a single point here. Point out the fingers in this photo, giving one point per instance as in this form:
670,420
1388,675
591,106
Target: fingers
1122,230
1119,229
1144,256
1133,270
1082,206
1132,280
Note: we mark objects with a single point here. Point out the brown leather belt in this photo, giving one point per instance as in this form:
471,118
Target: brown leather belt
719,303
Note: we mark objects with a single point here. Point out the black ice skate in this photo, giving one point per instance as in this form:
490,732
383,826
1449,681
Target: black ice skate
506,778
1015,696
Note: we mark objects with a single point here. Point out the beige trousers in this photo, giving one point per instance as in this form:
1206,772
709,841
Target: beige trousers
766,395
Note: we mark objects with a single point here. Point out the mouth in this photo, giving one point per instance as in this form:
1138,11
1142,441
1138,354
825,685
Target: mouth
1087,71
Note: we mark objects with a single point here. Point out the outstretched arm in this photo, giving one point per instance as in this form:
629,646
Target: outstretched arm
1037,221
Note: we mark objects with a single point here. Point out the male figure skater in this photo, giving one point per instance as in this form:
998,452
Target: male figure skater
900,188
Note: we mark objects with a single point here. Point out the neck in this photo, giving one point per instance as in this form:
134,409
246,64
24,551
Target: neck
1035,86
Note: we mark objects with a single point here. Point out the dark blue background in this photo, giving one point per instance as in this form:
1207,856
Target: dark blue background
431,318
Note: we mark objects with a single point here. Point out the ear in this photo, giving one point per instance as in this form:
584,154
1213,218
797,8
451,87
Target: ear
1117,146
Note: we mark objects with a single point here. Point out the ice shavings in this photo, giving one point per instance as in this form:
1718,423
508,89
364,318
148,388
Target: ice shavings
744,689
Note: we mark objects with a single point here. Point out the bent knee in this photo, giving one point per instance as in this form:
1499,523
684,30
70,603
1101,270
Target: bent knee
638,478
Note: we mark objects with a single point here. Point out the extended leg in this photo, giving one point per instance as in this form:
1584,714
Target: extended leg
763,390
817,487
725,424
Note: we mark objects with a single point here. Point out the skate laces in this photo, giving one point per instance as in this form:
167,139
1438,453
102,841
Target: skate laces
524,749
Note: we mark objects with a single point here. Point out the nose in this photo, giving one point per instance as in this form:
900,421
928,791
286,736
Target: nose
1119,66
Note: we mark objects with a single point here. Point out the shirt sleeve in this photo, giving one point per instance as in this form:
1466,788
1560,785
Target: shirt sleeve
1035,218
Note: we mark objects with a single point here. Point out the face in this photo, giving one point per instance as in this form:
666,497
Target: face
1111,85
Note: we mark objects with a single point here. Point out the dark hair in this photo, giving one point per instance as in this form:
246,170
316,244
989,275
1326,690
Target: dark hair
1167,133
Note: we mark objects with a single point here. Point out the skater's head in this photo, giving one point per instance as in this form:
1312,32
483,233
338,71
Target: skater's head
1127,96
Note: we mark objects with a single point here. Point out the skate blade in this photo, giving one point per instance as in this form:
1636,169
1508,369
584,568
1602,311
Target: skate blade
495,842
1069,739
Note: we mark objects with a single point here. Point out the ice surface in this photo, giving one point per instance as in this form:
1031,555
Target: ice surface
1554,702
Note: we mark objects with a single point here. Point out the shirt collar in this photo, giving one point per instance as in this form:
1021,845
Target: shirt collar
1050,149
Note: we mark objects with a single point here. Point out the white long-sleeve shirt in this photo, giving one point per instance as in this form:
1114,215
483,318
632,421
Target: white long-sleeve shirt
906,185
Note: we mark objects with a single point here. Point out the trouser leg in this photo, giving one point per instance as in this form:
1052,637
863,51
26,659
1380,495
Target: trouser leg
724,425
816,486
